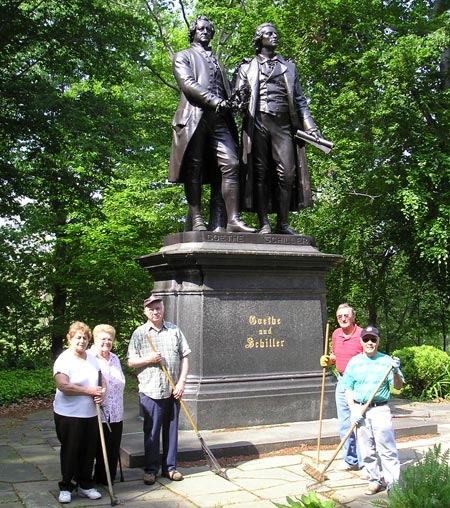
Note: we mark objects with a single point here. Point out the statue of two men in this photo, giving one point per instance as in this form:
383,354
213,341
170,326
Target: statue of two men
205,142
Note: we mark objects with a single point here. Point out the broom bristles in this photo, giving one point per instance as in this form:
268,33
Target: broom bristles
314,473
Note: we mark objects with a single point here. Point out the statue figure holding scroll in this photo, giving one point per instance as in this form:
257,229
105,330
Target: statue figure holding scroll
204,146
276,173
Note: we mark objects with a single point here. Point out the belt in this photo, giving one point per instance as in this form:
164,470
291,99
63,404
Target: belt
374,404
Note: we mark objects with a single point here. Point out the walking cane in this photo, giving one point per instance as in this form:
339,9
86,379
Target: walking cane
110,430
114,500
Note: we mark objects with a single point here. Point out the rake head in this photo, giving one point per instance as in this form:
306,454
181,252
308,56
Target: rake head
211,460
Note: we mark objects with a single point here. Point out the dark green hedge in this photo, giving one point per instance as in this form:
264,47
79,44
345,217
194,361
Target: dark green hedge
16,385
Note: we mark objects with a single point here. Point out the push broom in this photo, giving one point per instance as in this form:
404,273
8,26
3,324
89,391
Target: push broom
210,459
320,475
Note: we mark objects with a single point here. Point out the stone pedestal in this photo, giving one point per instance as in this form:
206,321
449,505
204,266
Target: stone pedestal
253,308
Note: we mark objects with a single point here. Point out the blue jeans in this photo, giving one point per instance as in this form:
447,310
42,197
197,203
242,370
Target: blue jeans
160,416
349,450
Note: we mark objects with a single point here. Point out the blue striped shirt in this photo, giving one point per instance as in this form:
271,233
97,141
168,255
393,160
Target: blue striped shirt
363,374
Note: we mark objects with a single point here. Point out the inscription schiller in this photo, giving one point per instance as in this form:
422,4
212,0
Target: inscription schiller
286,240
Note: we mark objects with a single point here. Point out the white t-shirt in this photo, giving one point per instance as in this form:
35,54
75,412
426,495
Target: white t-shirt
79,372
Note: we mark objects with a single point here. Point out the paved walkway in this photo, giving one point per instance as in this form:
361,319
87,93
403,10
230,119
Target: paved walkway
29,464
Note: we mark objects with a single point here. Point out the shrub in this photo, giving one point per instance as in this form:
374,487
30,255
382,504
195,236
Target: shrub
425,484
426,370
16,385
309,501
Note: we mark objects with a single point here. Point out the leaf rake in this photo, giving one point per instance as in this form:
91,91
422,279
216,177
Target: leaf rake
209,456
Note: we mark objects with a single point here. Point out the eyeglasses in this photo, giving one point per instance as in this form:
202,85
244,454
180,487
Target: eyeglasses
370,339
156,309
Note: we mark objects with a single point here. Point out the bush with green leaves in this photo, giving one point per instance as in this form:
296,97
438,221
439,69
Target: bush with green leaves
425,484
306,501
16,385
426,370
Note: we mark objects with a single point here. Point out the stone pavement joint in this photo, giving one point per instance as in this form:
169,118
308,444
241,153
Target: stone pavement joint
29,463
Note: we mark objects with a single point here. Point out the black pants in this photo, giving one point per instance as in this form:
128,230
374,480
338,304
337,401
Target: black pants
212,140
273,146
78,438
112,444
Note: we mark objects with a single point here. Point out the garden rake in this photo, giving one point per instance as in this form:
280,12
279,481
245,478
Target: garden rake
210,459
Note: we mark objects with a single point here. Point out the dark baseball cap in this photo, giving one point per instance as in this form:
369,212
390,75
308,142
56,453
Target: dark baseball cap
151,299
371,331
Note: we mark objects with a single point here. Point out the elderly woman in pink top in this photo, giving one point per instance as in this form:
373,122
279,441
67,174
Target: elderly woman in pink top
112,408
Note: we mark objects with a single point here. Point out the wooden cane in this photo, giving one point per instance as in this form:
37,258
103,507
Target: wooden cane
114,500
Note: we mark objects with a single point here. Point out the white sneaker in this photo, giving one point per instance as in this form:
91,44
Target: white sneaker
64,496
90,493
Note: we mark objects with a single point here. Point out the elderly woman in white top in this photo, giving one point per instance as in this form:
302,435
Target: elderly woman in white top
77,391
112,408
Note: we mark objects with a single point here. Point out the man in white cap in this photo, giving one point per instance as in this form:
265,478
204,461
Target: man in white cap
154,342
375,432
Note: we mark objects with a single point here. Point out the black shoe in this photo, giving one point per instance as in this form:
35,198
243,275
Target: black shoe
149,478
285,229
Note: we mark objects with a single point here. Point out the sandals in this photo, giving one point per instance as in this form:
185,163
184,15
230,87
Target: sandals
174,475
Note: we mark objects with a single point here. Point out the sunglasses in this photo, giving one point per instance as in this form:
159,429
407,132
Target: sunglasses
370,339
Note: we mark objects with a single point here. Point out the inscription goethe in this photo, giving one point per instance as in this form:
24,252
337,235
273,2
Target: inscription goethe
262,334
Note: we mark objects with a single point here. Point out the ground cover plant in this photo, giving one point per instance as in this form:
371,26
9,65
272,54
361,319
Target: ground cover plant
425,484
17,385
306,501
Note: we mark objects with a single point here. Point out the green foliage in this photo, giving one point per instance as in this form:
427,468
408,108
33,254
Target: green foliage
306,501
16,385
426,370
425,484
85,138
20,384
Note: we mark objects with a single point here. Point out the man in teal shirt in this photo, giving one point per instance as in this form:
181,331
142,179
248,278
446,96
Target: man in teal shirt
375,432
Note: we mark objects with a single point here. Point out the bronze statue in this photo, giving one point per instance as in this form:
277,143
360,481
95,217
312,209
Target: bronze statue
276,177
204,146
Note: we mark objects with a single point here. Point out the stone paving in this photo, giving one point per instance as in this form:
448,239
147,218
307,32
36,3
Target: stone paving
29,472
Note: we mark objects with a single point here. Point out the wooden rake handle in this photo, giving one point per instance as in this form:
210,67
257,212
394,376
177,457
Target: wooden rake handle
352,428
172,384
322,392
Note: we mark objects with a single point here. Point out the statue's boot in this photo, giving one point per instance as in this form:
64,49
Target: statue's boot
284,199
217,212
230,193
193,193
263,216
